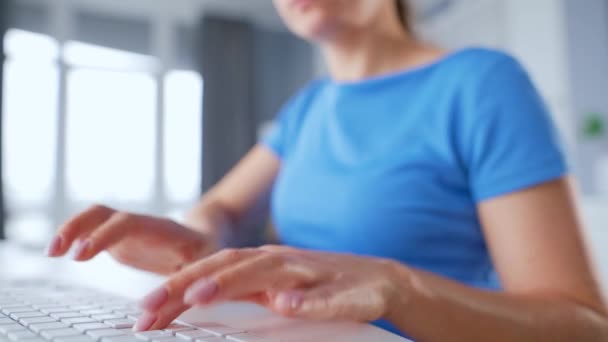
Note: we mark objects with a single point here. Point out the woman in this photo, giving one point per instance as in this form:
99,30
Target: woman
409,187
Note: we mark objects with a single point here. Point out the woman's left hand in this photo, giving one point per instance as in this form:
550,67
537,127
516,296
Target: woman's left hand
289,281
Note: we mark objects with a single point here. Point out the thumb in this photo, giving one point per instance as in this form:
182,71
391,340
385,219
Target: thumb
316,303
335,301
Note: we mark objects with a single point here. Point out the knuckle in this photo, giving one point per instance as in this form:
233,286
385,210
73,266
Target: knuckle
230,254
224,278
98,208
276,248
122,216
277,260
270,248
174,284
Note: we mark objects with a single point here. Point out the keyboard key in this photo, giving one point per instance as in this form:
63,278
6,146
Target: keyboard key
90,326
209,339
79,338
171,339
221,330
4,321
19,315
247,338
124,338
13,304
84,307
55,310
5,329
46,306
51,334
120,323
95,312
78,320
21,335
132,312
114,308
193,334
16,309
175,327
107,317
127,331
34,320
38,327
35,302
101,333
61,315
153,335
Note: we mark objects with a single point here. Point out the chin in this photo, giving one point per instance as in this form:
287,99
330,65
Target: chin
315,27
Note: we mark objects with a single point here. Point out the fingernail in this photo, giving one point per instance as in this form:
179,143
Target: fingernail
54,247
155,299
82,249
144,322
201,292
288,301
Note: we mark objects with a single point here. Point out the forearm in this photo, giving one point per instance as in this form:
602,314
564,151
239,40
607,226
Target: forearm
431,308
210,217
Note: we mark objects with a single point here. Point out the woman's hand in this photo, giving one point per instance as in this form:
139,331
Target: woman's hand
148,243
291,282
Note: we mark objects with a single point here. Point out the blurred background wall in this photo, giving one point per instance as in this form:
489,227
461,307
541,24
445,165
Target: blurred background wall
144,104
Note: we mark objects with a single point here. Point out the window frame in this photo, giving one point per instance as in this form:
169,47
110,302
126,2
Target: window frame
62,27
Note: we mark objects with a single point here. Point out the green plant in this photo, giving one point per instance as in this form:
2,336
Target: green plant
594,125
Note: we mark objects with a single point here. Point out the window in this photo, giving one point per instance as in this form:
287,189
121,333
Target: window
183,127
132,131
110,136
30,120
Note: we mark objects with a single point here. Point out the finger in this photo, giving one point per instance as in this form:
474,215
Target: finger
251,276
160,319
173,290
279,248
117,226
76,227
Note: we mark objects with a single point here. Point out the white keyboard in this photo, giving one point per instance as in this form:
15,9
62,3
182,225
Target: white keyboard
37,311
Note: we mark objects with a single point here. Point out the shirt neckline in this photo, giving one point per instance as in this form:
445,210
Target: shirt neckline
387,77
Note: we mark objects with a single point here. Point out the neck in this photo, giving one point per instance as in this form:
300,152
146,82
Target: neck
359,55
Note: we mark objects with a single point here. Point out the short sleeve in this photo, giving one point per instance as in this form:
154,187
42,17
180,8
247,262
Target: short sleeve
511,142
273,138
284,128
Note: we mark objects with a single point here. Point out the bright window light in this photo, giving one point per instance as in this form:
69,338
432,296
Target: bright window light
94,56
183,127
110,135
31,229
29,45
29,131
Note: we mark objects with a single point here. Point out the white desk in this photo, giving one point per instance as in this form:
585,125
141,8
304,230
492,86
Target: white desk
105,274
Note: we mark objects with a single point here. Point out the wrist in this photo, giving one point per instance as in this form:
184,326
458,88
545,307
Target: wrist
401,293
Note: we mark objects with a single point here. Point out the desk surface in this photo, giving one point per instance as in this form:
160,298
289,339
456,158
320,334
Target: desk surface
105,274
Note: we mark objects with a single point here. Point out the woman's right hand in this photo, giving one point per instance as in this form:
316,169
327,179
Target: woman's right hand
148,243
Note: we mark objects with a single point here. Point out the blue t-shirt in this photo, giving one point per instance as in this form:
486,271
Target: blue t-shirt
395,166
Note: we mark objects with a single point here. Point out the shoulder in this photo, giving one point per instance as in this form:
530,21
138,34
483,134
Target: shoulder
478,72
487,75
305,95
479,62
295,108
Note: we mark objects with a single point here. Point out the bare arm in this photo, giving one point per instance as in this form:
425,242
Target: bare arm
236,194
550,294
